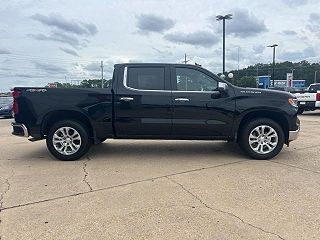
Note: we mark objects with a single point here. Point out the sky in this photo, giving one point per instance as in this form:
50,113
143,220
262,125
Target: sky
47,41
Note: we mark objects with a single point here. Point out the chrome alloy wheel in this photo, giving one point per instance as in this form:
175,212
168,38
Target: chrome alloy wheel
66,140
263,139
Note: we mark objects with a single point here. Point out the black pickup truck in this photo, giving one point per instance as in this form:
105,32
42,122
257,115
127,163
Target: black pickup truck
156,101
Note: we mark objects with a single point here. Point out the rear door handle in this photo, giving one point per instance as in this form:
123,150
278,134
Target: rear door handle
181,99
126,99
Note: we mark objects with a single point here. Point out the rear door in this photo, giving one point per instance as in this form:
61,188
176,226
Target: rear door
143,101
197,111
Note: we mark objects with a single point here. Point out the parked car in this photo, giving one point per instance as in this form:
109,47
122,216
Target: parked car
309,100
6,111
157,101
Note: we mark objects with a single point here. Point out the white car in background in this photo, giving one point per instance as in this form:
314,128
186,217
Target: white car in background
309,100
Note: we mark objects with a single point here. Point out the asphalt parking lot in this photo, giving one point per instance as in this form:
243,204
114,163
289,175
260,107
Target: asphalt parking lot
126,189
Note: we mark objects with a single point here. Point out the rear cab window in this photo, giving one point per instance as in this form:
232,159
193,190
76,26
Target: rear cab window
314,88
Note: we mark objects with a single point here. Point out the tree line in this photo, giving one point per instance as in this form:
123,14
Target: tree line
302,70
86,83
245,77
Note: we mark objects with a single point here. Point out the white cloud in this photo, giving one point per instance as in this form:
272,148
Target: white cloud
63,41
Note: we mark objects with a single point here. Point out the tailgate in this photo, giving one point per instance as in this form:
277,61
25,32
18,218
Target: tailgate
306,97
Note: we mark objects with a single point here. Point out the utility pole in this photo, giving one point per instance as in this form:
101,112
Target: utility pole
292,70
185,59
238,56
315,76
101,74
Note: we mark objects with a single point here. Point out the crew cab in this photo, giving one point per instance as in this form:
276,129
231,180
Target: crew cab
156,101
309,100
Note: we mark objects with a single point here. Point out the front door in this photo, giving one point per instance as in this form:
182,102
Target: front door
198,110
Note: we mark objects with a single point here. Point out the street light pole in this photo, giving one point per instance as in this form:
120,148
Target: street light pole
101,74
274,61
223,18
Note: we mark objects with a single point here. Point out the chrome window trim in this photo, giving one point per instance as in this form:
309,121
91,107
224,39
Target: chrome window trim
125,78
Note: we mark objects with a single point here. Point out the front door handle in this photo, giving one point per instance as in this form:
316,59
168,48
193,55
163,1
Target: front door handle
181,99
126,99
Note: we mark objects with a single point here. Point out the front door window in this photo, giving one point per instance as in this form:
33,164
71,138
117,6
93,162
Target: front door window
194,80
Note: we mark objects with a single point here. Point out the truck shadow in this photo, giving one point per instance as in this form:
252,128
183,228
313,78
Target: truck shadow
121,149
136,150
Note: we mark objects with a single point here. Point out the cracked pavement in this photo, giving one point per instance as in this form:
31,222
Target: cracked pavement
130,189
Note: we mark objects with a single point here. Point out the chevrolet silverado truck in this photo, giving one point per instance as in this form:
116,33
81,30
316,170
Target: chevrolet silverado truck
156,101
309,100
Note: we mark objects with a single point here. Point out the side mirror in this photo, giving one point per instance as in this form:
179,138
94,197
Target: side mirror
223,86
220,91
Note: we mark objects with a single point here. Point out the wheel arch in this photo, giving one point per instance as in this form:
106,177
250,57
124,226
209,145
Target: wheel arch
275,116
58,115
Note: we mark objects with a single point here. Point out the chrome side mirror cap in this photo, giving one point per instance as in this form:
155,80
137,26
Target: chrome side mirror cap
223,86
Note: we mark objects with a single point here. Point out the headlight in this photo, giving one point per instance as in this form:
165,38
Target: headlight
293,102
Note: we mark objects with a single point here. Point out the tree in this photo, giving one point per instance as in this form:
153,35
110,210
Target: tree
301,70
90,83
247,81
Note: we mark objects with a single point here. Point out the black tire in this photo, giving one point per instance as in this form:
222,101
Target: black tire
245,133
84,143
300,110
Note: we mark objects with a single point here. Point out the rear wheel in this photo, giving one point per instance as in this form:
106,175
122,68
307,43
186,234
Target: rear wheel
68,140
262,138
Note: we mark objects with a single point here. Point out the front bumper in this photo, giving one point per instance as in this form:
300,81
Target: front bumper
307,104
20,130
5,113
293,135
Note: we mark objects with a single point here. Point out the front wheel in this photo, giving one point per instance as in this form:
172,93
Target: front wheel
68,140
262,138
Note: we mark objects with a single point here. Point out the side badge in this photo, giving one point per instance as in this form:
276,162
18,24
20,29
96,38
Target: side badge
36,90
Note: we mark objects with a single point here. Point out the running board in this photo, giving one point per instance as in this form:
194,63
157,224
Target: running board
34,139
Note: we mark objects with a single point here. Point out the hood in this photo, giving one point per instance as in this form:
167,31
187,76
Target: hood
263,92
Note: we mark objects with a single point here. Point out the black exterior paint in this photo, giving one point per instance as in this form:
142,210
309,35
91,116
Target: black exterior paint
152,114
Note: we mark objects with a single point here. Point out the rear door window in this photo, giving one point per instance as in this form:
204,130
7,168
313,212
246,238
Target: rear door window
146,78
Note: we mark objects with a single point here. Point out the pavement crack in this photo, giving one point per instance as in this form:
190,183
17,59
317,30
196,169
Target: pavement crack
2,196
84,167
221,211
121,184
303,148
297,167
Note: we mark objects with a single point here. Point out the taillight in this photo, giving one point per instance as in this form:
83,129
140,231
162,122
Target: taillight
318,97
15,95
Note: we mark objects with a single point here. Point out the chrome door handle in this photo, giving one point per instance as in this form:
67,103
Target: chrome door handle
126,99
182,99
